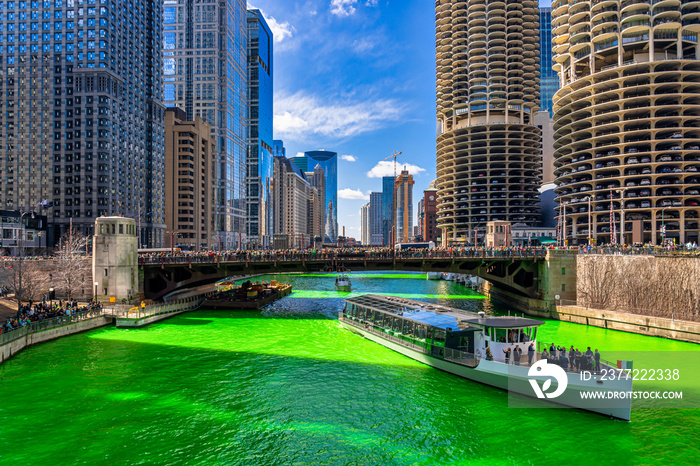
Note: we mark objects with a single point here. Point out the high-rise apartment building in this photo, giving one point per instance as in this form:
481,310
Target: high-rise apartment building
404,207
388,209
258,177
364,224
82,119
488,149
205,68
627,143
549,81
190,154
376,208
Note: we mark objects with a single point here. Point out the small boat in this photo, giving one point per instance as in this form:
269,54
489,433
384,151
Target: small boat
434,276
342,283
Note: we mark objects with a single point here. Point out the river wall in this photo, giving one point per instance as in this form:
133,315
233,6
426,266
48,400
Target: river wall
654,286
13,347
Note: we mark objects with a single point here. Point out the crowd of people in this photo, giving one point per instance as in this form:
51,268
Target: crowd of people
572,359
35,312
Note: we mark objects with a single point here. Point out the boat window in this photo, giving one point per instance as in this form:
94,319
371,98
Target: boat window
501,335
421,332
378,319
397,324
408,328
438,335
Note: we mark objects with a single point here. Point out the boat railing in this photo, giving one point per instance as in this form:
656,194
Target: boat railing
448,354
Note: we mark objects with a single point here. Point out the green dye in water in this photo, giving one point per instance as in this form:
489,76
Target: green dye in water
263,388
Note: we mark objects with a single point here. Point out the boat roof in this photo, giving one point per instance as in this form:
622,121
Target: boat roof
437,315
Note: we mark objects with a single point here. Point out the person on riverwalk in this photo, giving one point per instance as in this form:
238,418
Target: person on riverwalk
507,354
530,354
516,355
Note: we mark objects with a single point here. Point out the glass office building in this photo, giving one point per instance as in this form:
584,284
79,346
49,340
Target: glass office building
258,178
549,81
387,207
205,68
329,163
82,120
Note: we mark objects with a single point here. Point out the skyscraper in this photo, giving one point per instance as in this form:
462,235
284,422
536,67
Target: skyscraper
429,229
625,121
376,209
260,144
488,149
404,207
317,179
82,121
387,208
205,67
292,194
189,170
549,81
328,161
364,224
278,149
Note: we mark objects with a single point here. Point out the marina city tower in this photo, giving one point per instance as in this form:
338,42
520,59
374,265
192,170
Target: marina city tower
627,120
488,150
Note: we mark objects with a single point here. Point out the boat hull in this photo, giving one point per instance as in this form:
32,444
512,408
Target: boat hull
515,378
342,287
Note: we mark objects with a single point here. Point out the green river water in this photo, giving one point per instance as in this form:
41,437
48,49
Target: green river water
289,386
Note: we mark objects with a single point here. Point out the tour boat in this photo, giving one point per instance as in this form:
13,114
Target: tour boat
434,276
473,346
342,283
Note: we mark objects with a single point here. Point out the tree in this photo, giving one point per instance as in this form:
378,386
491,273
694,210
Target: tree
73,273
26,279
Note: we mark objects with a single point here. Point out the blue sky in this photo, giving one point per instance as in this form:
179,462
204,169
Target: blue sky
356,77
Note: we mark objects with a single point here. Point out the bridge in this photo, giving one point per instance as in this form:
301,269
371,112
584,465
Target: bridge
521,273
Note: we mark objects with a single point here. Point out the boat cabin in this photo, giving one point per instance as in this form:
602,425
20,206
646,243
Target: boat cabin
440,328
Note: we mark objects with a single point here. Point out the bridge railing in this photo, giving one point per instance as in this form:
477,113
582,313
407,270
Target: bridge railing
296,256
41,325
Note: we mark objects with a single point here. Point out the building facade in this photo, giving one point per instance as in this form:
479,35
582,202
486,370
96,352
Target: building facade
82,120
205,68
627,146
404,207
278,149
190,155
549,81
258,178
488,148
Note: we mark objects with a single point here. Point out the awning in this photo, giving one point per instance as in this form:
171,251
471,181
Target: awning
544,239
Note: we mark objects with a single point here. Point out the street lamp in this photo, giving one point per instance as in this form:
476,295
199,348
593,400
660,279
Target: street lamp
663,226
172,241
95,295
590,224
622,214
20,252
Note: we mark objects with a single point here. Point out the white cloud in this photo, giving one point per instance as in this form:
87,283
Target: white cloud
280,31
386,168
353,194
299,115
349,158
343,7
346,7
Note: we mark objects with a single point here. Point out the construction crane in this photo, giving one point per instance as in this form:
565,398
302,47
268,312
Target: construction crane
393,156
